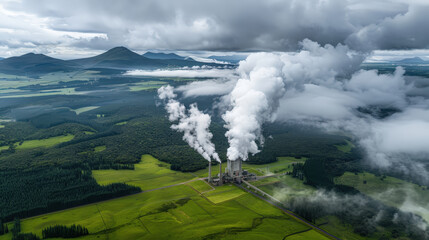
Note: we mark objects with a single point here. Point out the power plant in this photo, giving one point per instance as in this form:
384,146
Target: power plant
233,173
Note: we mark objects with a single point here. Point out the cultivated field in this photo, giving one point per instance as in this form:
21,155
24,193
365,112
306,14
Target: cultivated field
48,142
283,164
186,211
150,173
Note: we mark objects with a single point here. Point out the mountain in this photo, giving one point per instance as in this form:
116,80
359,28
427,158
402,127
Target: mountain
414,60
34,64
153,55
118,57
123,58
1,58
115,58
231,59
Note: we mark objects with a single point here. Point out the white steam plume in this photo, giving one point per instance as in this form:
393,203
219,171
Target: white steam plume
193,123
264,79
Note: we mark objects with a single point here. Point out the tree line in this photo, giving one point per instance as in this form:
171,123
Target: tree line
63,231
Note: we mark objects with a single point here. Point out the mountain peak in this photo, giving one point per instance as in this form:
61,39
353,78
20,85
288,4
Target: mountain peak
118,53
33,55
414,60
119,49
32,63
161,55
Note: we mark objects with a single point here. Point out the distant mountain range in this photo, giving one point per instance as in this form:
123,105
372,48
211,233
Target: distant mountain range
153,55
414,60
231,59
35,63
115,58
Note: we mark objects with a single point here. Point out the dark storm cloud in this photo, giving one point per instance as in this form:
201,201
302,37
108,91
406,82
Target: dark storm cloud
238,25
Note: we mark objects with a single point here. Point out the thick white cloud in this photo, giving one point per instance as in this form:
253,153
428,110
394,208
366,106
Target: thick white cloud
184,73
374,89
404,132
317,103
207,88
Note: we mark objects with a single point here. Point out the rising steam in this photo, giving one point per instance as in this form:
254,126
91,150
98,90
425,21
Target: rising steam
193,123
264,78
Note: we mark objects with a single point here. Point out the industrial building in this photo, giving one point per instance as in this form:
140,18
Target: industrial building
233,173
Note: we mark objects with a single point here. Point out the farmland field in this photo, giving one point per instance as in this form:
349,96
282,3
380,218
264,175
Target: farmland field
49,142
200,186
148,174
346,148
283,164
177,212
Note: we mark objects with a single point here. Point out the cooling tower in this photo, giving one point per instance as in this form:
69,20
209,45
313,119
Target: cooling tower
234,168
220,173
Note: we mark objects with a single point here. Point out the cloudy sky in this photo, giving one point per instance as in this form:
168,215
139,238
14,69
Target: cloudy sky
81,28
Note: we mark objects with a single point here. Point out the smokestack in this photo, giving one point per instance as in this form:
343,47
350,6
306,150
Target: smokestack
220,173
209,179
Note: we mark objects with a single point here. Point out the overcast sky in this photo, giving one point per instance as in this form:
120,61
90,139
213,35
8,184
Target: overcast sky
81,28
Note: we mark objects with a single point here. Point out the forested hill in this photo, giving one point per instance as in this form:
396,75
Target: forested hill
116,58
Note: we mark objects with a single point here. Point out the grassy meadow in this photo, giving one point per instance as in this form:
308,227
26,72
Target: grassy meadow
146,85
283,164
48,142
346,148
150,173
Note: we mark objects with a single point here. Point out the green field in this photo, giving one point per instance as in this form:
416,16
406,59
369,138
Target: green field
346,148
4,148
48,142
200,186
174,213
391,191
148,174
60,91
186,211
284,187
11,82
146,85
223,193
283,164
100,148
